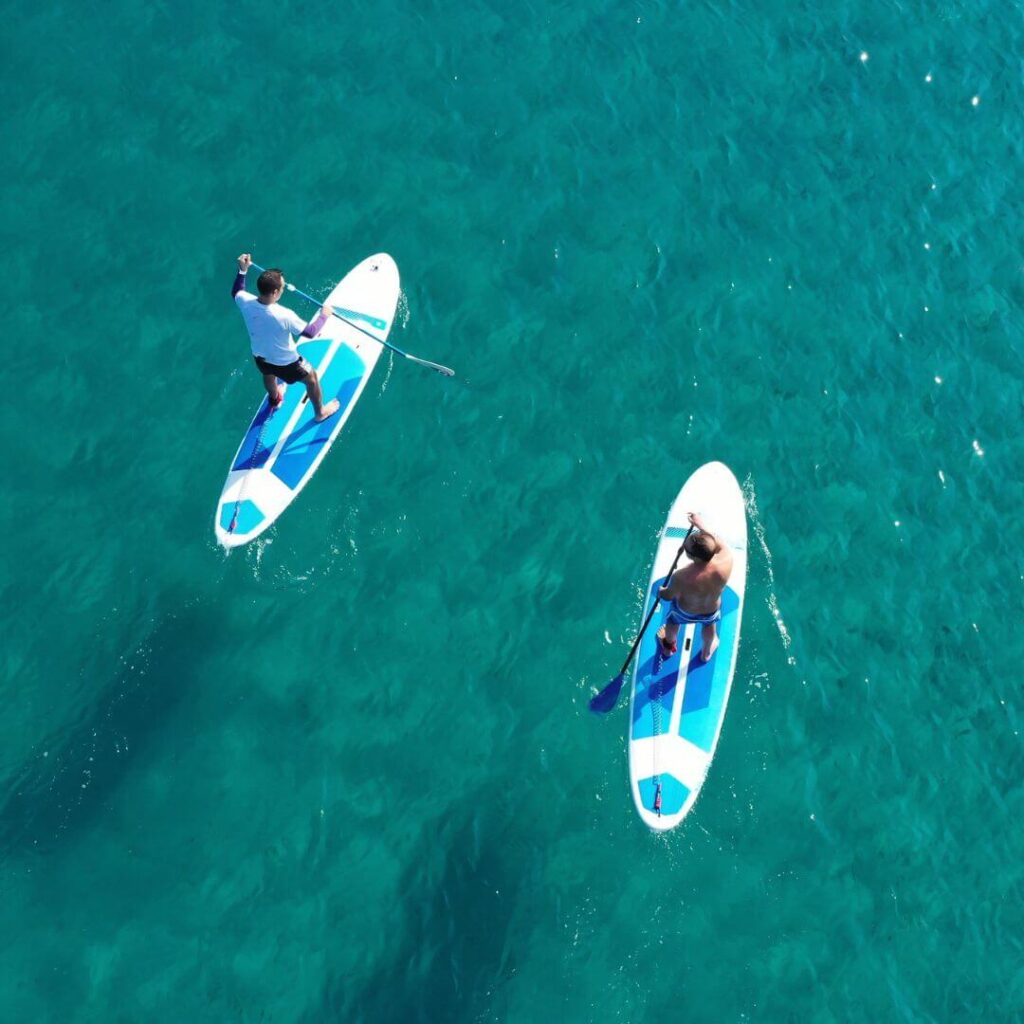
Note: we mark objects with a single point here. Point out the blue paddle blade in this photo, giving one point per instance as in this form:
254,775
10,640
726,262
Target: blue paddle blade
605,700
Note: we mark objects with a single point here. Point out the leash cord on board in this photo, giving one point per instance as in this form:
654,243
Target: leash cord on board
655,693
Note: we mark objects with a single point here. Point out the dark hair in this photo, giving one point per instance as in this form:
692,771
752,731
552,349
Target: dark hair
269,281
702,546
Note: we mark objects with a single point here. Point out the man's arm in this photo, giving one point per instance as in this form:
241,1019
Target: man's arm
316,325
243,265
668,592
698,522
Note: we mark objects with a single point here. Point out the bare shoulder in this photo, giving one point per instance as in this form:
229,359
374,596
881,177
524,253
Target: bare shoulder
677,576
681,577
724,560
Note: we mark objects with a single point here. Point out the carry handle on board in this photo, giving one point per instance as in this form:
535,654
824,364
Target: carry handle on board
604,701
444,370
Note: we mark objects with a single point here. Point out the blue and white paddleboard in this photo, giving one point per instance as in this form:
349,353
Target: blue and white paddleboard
282,449
677,705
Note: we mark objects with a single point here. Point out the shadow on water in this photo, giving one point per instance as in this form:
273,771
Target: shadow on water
452,955
69,781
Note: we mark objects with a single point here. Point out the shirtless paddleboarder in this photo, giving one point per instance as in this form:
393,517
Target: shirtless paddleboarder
694,593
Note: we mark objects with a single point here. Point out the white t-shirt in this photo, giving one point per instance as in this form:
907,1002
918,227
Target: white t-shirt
270,329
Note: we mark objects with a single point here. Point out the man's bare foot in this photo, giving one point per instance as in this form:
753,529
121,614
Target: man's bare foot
275,402
328,410
667,647
707,653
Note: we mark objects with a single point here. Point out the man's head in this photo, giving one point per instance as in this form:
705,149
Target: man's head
701,547
269,282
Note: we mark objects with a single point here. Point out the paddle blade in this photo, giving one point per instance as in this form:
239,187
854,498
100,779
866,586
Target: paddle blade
604,701
443,370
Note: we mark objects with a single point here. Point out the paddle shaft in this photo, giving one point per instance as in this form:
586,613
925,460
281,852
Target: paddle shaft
380,341
654,607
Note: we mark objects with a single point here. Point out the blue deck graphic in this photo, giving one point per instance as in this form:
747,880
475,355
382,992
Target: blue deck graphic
306,441
249,516
339,380
673,793
705,682
249,457
656,678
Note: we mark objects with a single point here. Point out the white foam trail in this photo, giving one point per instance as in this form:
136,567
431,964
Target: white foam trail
258,550
401,321
387,375
402,312
750,499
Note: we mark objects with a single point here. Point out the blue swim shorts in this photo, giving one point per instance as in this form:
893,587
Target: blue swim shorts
680,615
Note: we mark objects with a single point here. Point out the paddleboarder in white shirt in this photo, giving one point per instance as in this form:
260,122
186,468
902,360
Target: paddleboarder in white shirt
694,593
272,328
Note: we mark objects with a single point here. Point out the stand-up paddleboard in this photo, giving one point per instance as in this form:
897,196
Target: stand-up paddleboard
678,704
282,448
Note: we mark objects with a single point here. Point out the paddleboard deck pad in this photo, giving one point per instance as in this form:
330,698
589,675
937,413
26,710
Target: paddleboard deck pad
283,447
678,704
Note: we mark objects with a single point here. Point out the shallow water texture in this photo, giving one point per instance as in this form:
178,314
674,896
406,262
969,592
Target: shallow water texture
348,773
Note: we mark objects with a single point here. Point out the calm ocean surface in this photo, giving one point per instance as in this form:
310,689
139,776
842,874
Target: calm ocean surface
348,773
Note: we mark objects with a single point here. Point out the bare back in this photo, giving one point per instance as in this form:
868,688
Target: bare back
697,586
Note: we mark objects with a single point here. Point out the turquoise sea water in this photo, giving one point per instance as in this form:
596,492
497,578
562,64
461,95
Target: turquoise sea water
347,773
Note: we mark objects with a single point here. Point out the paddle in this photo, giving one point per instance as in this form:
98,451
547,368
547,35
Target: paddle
372,320
604,701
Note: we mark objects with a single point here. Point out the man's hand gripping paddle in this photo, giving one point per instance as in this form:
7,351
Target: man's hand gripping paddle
604,701
443,370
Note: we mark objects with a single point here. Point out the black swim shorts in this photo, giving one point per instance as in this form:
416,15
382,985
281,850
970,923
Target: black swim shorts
293,373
